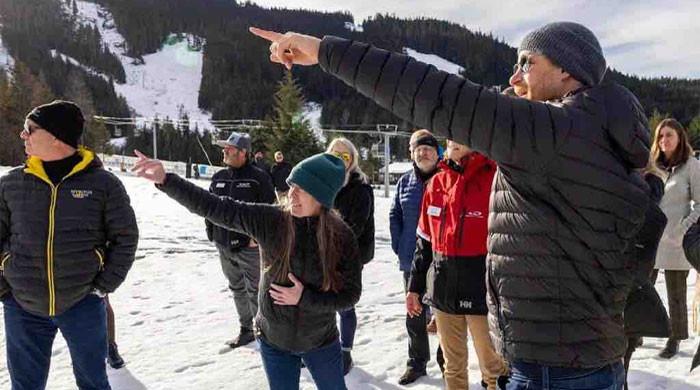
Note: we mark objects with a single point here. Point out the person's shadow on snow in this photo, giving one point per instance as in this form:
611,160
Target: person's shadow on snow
122,379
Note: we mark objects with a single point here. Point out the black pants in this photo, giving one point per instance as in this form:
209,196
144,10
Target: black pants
676,290
418,345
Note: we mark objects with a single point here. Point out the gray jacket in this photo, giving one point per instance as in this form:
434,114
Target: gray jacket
680,204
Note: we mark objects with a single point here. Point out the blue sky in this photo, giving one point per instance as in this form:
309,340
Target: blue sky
646,38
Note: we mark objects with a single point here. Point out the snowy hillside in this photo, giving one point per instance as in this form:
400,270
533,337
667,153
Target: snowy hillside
174,313
6,60
166,83
437,61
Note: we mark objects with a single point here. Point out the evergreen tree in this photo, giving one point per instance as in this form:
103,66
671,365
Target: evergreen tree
95,135
654,120
291,132
694,132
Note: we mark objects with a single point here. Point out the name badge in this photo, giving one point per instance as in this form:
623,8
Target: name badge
220,185
434,211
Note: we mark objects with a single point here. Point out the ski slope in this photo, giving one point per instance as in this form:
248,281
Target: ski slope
6,60
174,312
165,83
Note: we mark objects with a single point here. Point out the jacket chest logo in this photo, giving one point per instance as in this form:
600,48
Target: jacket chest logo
80,194
473,214
434,211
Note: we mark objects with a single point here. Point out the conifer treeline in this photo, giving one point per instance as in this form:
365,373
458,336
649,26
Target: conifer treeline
238,81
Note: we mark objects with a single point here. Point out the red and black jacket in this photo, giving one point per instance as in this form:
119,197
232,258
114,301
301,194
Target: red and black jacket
449,265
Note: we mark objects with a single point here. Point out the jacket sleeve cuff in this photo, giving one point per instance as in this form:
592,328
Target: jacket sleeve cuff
328,52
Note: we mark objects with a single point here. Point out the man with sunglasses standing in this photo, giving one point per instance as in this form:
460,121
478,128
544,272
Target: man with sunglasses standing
239,255
566,201
68,237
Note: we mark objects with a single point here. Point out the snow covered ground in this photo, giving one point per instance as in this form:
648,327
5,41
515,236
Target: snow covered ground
166,83
174,313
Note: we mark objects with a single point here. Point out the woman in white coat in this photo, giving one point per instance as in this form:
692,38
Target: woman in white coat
672,153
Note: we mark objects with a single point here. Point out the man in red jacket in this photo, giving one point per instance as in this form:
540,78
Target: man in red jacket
449,267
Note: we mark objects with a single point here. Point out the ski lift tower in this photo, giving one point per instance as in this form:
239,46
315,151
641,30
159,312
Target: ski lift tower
388,130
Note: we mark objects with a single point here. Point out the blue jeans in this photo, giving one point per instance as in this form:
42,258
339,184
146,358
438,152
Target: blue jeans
29,339
283,368
348,326
526,376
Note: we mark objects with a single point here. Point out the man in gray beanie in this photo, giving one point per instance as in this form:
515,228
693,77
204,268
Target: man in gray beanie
566,201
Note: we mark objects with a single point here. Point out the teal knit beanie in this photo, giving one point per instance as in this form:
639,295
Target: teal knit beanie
321,175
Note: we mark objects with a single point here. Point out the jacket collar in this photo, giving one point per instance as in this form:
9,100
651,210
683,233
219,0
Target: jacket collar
34,166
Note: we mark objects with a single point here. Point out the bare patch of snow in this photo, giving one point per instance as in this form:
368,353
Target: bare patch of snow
6,60
437,61
55,53
354,27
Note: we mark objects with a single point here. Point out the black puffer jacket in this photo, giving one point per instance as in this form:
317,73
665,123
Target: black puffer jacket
355,203
247,184
310,324
61,241
566,203
645,314
280,172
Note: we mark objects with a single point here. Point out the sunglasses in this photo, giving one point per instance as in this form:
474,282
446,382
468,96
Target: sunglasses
27,129
345,156
523,65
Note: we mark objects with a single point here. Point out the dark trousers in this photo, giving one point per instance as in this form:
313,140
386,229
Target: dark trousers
676,291
348,326
283,368
418,345
242,269
29,339
527,376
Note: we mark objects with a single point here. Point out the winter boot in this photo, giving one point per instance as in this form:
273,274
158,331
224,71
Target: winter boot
670,350
347,362
113,358
411,375
245,337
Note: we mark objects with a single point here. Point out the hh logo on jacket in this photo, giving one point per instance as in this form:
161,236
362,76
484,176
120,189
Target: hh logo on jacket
80,194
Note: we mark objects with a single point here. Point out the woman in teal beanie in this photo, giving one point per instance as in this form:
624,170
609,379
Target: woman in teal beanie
311,266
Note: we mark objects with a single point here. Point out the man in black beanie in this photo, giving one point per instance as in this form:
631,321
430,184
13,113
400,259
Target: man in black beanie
566,201
68,237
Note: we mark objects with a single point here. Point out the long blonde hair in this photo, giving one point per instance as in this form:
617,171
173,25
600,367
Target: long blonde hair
330,240
354,164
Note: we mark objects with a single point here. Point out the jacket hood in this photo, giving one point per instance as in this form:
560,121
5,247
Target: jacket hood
622,117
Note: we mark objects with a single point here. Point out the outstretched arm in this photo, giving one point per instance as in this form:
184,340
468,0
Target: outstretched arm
255,220
512,131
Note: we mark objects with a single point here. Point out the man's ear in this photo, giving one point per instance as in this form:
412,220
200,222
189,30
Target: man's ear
565,76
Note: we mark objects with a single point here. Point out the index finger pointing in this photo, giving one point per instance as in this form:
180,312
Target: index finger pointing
139,154
266,34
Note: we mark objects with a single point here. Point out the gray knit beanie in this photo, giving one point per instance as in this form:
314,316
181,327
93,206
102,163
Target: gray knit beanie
571,46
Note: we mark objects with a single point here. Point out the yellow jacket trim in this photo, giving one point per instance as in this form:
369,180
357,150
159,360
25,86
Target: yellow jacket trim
36,167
